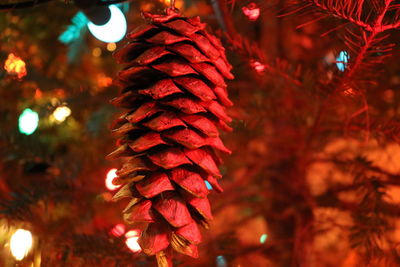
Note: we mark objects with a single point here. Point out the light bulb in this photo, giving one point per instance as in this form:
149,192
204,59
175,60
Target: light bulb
28,121
21,243
111,175
114,30
61,113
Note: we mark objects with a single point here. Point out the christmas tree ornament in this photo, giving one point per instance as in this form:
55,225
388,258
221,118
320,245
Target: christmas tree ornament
174,89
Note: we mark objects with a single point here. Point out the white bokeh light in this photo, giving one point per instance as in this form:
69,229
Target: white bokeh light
21,243
61,113
132,240
111,175
114,30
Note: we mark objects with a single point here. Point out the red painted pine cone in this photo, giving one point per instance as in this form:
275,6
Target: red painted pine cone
173,87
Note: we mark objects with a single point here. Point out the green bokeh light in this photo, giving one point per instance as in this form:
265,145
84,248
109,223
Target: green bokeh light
263,238
28,121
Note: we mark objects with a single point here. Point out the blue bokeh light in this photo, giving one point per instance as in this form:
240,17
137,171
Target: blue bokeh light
221,261
209,187
342,60
114,30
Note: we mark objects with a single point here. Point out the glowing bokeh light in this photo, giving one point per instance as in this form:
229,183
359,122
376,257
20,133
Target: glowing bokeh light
28,121
263,238
257,66
103,80
111,175
111,47
96,52
38,94
114,30
342,60
61,113
209,186
73,32
132,237
221,261
251,11
118,230
21,243
15,65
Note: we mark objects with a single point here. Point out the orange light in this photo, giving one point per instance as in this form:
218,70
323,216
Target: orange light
132,237
38,94
111,175
166,2
251,11
178,3
103,80
118,230
111,47
15,65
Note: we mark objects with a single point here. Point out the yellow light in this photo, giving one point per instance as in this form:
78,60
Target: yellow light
15,65
61,113
21,243
111,47
96,52
178,3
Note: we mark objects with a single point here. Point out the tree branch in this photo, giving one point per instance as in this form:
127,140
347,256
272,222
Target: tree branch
337,12
19,5
27,4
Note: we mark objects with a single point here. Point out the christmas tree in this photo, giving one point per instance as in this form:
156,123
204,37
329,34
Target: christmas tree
313,177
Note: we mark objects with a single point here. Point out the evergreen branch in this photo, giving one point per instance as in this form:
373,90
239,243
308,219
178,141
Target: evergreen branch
18,206
347,10
247,49
352,12
99,246
369,40
20,5
252,52
27,4
365,165
19,203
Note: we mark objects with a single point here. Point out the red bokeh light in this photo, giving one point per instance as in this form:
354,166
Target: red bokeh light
251,11
118,230
257,66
